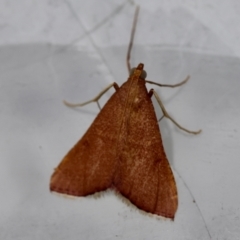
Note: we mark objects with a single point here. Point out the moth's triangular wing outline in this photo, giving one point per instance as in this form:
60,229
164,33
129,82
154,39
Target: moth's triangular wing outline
89,166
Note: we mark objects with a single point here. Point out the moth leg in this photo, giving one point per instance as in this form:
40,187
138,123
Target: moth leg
94,99
169,85
131,39
165,113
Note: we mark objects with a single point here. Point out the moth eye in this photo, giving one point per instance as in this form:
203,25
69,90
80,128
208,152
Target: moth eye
143,74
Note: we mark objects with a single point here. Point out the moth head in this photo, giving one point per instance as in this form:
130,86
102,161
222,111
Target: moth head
143,73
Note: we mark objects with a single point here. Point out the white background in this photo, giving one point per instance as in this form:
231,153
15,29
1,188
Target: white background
52,50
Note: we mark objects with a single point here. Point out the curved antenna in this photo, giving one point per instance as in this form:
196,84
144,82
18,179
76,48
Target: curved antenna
132,38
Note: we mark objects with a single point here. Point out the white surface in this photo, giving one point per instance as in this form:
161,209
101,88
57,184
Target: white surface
55,50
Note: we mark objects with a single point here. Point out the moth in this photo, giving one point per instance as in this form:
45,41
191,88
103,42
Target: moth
122,149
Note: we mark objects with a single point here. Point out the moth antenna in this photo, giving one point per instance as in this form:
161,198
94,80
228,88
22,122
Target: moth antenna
132,38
